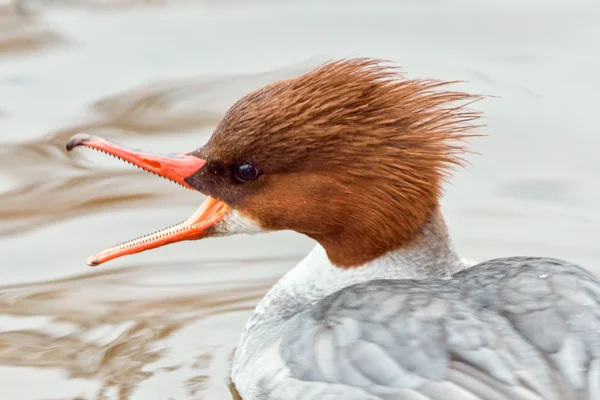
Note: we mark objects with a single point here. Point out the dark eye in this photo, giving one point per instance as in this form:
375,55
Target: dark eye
245,173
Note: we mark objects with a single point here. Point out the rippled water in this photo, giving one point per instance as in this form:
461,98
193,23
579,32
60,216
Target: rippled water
163,324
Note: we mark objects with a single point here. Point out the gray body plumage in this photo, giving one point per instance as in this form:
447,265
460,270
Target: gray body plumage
510,328
513,328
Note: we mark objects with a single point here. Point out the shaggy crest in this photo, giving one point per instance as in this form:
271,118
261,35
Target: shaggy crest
353,106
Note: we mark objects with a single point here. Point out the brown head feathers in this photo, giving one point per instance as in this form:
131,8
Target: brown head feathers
352,154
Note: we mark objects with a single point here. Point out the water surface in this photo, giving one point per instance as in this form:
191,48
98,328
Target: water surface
163,324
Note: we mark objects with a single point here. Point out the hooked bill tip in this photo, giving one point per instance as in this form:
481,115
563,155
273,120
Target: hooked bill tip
92,261
77,140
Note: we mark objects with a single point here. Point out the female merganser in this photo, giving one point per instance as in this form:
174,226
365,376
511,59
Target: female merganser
354,155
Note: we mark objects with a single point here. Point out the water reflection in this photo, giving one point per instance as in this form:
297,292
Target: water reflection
21,32
163,324
114,325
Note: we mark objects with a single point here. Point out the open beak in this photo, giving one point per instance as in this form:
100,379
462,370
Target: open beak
175,167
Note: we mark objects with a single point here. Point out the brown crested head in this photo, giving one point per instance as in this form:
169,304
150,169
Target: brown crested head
352,154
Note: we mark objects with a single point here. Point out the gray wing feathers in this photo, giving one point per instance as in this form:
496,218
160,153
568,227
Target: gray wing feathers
519,328
557,310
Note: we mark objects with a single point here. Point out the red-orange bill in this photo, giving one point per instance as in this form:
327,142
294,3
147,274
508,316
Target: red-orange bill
175,167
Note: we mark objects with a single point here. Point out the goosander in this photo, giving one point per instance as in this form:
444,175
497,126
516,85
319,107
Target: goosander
353,154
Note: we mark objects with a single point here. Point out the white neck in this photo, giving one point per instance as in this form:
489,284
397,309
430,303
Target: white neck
315,277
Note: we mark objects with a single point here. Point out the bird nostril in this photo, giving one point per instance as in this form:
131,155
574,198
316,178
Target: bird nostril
153,163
